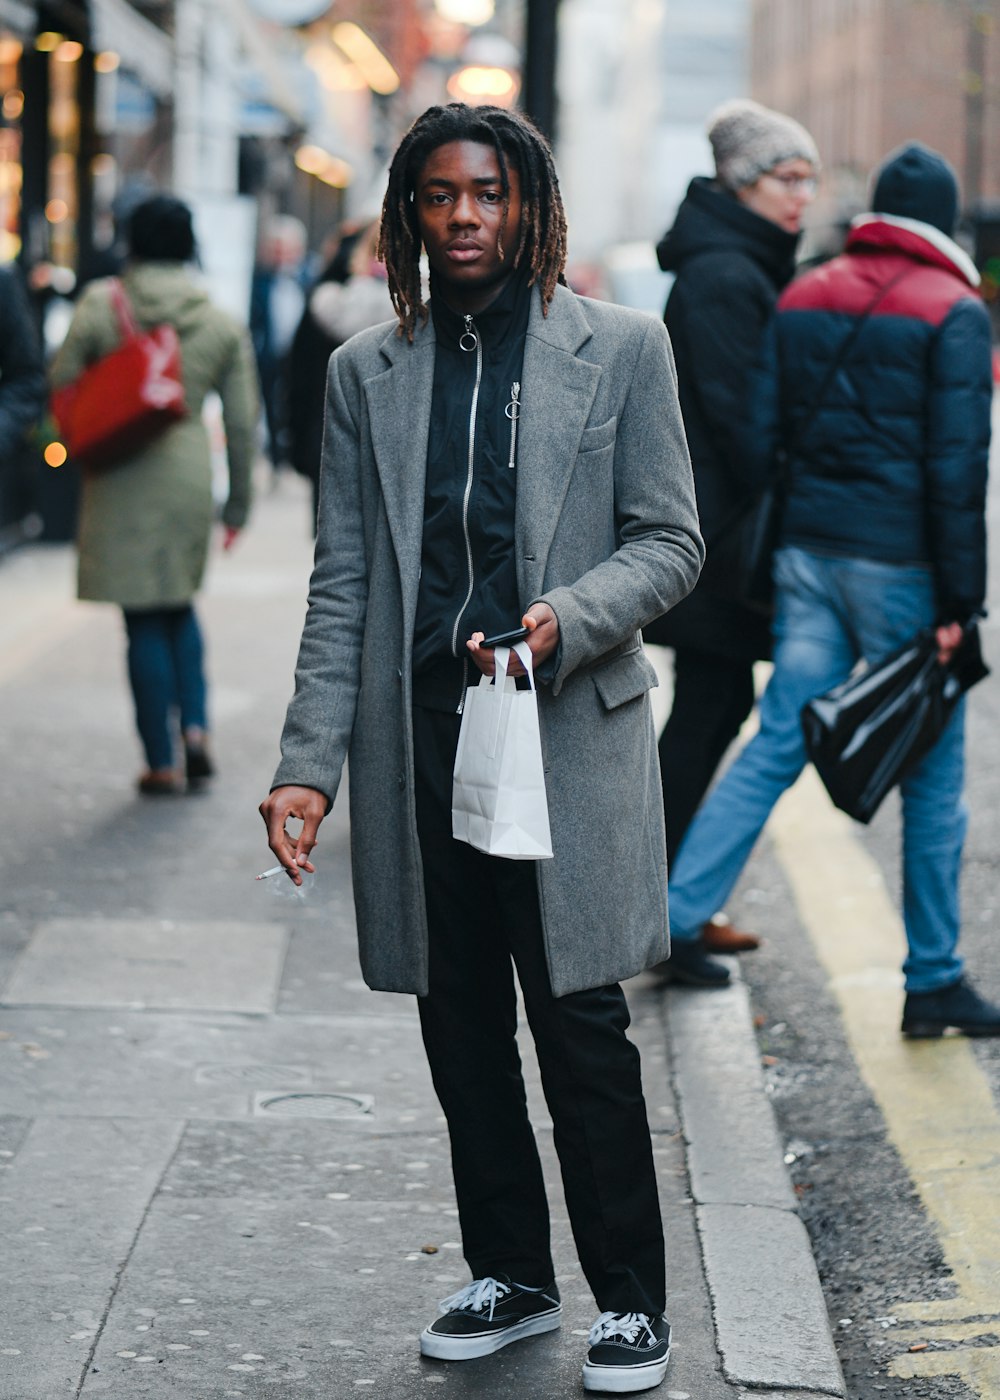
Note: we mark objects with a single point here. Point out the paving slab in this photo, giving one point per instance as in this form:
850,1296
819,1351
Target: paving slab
114,1064
73,1197
161,964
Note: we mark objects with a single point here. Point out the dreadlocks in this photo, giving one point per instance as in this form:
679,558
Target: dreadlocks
514,138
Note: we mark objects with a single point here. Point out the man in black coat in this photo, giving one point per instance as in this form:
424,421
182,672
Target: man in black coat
22,387
733,250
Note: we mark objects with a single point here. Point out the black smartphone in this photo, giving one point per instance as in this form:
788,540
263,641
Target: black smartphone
505,639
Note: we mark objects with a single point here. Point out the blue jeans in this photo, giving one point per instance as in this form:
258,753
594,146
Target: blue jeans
829,612
166,672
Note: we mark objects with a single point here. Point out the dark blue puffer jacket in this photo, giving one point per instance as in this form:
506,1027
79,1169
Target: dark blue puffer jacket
892,466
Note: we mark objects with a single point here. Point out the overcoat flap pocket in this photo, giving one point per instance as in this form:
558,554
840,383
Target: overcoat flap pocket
624,678
592,439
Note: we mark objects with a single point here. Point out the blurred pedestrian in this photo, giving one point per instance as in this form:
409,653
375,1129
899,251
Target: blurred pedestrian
510,452
732,248
22,392
145,522
277,299
350,294
877,374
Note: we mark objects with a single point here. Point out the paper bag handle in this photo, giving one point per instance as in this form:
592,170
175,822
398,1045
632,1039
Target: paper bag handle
502,656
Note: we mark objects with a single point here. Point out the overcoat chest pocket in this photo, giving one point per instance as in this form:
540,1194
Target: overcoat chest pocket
625,678
593,439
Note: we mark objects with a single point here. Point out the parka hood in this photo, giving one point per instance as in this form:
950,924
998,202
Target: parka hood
711,221
918,240
165,291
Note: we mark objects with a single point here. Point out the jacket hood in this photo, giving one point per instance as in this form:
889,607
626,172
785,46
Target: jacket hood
711,221
918,240
161,291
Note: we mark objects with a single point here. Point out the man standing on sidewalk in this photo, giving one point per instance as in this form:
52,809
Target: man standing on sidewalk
511,453
884,533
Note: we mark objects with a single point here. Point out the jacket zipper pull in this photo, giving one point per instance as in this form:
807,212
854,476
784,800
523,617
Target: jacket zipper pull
513,412
469,339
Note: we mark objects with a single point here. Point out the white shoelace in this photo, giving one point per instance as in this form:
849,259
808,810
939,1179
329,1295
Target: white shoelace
625,1325
477,1295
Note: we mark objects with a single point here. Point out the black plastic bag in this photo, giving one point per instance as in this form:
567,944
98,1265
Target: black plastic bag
872,729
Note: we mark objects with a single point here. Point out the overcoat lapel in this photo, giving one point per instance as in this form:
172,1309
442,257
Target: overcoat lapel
557,394
399,411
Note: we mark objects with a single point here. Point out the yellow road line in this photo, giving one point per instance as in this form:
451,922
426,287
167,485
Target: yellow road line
937,1105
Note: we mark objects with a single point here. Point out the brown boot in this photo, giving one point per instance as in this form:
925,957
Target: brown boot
159,782
719,936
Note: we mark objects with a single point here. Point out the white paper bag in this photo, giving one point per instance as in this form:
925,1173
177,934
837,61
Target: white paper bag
498,795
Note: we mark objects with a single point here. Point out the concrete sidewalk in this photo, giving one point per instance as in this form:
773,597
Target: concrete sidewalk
224,1170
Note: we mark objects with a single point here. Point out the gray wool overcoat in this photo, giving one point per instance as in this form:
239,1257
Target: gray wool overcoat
606,533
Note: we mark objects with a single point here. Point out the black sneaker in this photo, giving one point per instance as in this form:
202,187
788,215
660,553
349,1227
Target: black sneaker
628,1351
486,1315
959,1007
691,965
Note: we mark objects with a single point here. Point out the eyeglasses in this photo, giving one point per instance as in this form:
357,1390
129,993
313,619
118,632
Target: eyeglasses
795,184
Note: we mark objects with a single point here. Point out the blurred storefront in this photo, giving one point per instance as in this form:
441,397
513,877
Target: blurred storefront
866,78
252,110
86,92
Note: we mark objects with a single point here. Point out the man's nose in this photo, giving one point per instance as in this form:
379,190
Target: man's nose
464,211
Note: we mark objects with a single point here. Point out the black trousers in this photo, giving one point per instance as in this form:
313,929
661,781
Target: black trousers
484,920
712,697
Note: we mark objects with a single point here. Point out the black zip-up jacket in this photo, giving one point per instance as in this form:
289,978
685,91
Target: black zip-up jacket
468,580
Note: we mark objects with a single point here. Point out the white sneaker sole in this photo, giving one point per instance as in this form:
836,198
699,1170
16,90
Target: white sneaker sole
445,1348
621,1380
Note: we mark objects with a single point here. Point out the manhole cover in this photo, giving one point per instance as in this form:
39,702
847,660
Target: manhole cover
266,1076
314,1105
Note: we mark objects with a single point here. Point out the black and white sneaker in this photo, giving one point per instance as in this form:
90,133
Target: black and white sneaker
628,1352
486,1315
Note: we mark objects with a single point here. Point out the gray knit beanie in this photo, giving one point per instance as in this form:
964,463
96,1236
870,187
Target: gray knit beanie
748,140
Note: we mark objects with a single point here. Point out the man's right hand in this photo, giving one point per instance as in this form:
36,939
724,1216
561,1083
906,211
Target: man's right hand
306,804
949,639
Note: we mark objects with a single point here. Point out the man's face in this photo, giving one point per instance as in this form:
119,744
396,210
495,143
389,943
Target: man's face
460,209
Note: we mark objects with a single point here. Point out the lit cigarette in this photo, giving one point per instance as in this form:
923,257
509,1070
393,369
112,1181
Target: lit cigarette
266,874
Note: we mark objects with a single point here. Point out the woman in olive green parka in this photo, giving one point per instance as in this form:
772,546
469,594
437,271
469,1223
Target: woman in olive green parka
145,522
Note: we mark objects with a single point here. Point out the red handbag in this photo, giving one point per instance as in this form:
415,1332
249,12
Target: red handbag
126,399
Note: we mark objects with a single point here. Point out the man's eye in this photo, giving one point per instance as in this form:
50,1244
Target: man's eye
493,196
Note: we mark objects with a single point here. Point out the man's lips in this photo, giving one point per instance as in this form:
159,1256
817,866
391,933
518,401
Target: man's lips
464,250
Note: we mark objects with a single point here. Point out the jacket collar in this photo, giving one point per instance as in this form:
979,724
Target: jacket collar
565,327
711,220
915,238
506,316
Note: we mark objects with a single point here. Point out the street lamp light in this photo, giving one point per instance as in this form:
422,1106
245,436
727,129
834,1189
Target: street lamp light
470,12
489,72
476,84
366,56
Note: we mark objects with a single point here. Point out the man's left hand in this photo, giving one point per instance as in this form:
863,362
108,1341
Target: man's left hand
542,639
